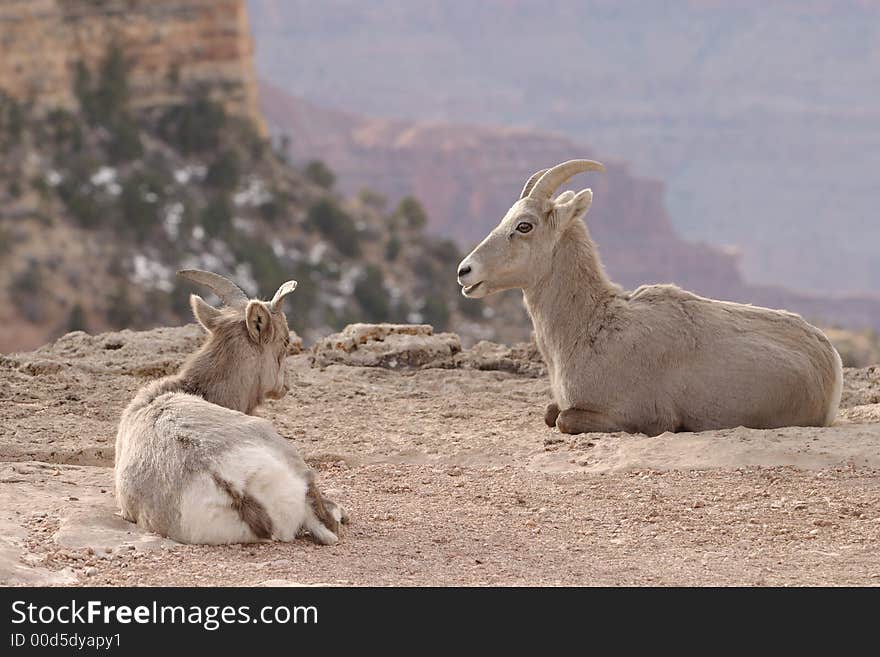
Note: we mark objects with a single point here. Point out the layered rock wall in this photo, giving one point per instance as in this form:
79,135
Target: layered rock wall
172,46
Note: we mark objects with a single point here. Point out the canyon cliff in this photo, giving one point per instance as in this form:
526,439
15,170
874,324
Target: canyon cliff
173,46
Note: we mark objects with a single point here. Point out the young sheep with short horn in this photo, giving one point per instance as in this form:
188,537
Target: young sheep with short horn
193,464
653,360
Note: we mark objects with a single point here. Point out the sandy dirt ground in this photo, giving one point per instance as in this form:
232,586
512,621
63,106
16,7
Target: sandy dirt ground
450,475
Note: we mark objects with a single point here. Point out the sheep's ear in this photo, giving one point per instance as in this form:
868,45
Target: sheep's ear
568,208
205,313
258,319
563,198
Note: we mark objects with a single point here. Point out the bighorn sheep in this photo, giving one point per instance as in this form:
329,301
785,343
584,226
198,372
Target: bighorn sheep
653,360
193,464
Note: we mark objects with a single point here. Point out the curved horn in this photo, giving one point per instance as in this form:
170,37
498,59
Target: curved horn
282,292
559,174
531,182
229,292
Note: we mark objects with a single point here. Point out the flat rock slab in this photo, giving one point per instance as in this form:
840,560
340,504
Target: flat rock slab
101,529
71,513
393,346
19,567
139,353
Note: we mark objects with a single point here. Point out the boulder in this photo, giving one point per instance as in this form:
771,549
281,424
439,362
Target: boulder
393,346
145,354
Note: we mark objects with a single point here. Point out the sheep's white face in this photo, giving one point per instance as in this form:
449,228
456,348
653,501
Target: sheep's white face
520,249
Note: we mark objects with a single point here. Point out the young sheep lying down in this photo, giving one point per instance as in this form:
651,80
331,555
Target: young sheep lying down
193,463
654,360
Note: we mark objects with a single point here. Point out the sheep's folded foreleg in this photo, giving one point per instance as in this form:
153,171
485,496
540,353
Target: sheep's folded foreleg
324,517
576,420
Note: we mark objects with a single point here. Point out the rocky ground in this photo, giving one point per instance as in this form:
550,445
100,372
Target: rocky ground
451,477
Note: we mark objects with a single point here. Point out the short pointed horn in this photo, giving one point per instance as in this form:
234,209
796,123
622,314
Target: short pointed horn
552,179
282,292
531,182
229,292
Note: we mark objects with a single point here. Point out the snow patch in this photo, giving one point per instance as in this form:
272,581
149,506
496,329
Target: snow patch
205,260
348,279
106,178
189,172
244,278
255,194
317,252
172,219
152,274
336,302
246,226
103,177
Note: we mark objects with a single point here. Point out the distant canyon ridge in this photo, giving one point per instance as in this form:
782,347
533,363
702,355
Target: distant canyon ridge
762,119
467,176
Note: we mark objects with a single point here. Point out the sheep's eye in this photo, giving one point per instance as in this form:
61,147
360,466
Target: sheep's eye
524,227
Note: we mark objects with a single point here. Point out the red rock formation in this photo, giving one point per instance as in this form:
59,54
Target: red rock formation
196,41
467,176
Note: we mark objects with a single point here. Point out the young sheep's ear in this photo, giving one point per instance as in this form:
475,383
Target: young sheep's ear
258,319
205,313
572,207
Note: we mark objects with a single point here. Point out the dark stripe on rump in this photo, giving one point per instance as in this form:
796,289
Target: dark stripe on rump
249,509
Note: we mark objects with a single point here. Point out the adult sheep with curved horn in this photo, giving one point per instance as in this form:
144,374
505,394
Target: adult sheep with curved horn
653,360
193,463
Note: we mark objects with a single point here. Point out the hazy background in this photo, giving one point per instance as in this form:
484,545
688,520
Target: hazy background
761,119
363,148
